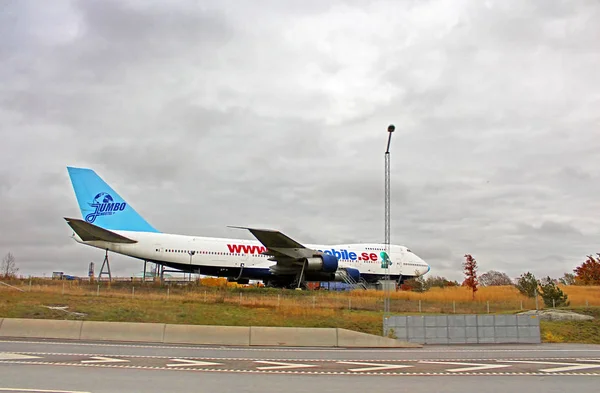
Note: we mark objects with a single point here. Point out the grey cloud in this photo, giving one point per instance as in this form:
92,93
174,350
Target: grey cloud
6,182
275,115
118,34
549,228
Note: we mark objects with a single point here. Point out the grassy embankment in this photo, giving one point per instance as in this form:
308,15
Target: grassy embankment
209,305
573,331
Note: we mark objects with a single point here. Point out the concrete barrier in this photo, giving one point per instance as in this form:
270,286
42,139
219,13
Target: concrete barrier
123,331
352,339
465,329
293,337
208,335
40,328
194,334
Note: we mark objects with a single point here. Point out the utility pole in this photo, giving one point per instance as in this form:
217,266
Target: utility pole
386,304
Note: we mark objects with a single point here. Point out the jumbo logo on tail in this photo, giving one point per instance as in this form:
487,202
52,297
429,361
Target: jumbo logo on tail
104,205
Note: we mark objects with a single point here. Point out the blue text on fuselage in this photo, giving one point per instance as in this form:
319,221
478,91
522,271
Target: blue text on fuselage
341,254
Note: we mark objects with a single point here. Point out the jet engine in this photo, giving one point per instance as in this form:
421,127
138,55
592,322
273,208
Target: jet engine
322,263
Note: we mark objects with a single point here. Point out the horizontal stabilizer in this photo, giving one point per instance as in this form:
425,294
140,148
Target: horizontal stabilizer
90,232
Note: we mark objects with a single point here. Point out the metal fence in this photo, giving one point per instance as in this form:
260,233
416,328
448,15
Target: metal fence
438,303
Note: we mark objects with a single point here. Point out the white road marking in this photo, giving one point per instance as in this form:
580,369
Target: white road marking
378,367
554,359
17,390
280,365
474,366
15,356
329,373
525,348
102,359
189,362
569,366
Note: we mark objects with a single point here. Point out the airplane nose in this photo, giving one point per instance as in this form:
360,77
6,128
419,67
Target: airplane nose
422,266
422,262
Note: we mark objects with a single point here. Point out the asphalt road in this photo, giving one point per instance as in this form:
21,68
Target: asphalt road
114,367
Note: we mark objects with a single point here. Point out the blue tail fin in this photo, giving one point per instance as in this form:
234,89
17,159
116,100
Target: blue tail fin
102,206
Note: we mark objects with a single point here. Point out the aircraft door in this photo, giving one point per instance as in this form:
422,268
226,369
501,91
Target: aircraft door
244,257
399,258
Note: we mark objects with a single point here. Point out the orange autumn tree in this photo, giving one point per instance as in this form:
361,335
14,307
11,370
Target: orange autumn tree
589,272
470,266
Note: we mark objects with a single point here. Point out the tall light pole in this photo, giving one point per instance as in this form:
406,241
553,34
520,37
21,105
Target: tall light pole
386,304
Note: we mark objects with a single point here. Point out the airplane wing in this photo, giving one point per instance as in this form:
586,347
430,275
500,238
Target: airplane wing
281,247
291,257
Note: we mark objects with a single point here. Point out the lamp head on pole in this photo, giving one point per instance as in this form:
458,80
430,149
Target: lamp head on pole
391,129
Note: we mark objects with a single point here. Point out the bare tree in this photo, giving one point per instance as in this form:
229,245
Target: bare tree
494,278
9,266
568,279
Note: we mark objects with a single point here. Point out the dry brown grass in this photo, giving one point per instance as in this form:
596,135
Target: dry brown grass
436,300
583,295
220,304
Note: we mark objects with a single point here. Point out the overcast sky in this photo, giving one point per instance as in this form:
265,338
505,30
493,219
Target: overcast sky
204,114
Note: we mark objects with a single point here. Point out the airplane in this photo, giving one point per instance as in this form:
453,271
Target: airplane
110,223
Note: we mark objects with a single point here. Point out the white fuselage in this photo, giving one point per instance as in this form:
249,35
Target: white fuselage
225,257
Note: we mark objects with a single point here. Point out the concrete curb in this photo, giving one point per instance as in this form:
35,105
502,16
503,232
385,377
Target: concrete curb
195,334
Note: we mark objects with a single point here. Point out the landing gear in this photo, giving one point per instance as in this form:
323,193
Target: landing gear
298,285
285,284
144,273
401,280
300,278
241,271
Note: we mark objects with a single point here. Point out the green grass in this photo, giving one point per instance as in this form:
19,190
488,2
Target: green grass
587,332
